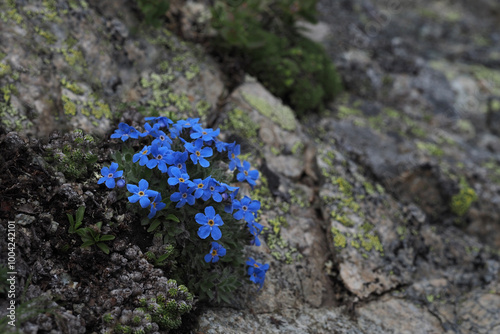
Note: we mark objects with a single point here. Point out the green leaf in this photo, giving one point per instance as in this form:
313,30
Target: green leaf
103,247
107,237
154,225
70,218
118,157
87,244
128,157
79,214
173,217
82,233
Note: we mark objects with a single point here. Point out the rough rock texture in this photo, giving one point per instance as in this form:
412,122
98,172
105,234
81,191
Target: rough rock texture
381,213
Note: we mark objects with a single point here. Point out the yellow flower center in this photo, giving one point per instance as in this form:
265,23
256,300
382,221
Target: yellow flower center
214,252
204,132
184,195
140,193
198,153
246,173
145,152
232,156
200,185
211,222
181,179
110,175
256,265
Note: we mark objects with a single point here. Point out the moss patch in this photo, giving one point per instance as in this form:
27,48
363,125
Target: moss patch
461,202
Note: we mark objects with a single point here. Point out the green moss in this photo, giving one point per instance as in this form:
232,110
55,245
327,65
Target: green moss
99,109
297,148
461,202
280,114
370,190
49,37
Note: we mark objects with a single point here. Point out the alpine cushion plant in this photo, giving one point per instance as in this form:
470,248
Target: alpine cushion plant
180,162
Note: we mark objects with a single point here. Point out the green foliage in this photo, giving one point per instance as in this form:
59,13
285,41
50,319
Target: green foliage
290,66
153,10
90,235
74,158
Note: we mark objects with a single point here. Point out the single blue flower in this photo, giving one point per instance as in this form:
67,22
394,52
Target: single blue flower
233,151
257,271
246,208
200,186
141,193
177,176
183,196
109,175
213,190
160,158
162,139
198,154
121,183
216,252
162,121
177,128
255,229
142,156
179,160
156,205
125,132
210,223
221,146
150,130
205,134
245,174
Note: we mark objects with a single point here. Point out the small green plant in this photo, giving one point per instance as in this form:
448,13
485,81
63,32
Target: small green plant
75,223
153,10
461,202
90,235
264,32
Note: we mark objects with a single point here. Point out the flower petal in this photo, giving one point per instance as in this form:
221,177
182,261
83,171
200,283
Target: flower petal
216,233
204,231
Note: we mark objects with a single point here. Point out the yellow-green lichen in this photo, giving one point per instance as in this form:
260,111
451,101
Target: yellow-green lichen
74,57
343,219
461,202
339,240
99,109
71,86
344,186
297,148
69,106
239,121
345,111
370,190
5,69
49,37
280,114
430,148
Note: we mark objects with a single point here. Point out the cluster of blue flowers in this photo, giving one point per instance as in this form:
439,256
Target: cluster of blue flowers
195,144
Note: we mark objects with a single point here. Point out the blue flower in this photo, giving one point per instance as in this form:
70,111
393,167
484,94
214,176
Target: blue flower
150,130
205,134
156,205
213,190
221,146
179,160
216,252
255,229
246,208
160,158
183,196
198,154
200,186
142,156
183,124
109,175
257,271
120,183
232,153
245,174
125,132
162,139
177,176
162,121
141,193
210,223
